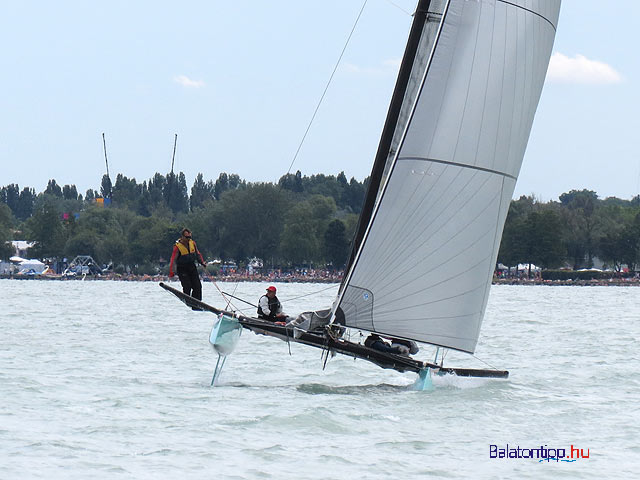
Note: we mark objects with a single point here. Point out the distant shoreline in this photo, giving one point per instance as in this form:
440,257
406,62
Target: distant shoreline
164,278
600,282
611,282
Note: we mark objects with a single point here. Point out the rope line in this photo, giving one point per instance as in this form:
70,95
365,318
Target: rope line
486,363
400,8
308,294
326,88
228,300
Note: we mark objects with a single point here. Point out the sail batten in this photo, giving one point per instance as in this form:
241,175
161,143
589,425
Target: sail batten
463,165
427,244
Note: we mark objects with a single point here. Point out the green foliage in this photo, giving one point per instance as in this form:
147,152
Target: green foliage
304,231
6,223
226,183
579,199
351,223
252,220
69,192
175,193
46,229
543,239
300,243
20,203
24,208
629,241
201,193
581,237
10,195
53,189
206,224
581,227
83,243
6,217
105,186
90,195
348,196
151,239
292,182
303,220
126,193
336,245
514,247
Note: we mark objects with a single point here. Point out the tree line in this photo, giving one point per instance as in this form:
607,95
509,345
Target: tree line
572,232
301,220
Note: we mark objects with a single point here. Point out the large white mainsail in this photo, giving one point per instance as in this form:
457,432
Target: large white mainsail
446,169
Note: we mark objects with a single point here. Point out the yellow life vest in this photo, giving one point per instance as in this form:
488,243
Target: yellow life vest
187,255
184,250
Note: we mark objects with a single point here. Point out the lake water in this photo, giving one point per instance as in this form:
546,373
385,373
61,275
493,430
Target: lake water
111,380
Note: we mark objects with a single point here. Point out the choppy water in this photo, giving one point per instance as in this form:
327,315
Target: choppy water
111,380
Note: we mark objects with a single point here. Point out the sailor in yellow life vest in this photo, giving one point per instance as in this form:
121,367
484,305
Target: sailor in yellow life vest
186,254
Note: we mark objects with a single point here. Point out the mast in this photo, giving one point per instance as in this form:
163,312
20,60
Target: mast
104,146
377,172
173,158
171,180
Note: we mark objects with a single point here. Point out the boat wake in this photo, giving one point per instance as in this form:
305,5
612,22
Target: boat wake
462,383
320,389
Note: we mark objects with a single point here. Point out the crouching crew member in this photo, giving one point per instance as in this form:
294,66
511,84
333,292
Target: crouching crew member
269,307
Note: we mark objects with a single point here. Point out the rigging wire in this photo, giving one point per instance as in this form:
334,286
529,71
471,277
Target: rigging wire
486,363
308,294
228,300
326,88
400,8
238,298
231,295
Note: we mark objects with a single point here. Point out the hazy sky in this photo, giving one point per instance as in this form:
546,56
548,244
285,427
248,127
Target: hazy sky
239,81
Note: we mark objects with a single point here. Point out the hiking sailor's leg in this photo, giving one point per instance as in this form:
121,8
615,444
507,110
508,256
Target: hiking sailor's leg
196,286
185,279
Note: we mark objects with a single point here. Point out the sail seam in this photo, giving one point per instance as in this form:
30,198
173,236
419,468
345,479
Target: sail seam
530,11
433,252
445,281
461,165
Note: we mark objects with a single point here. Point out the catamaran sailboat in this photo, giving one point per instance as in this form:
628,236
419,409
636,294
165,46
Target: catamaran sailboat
427,241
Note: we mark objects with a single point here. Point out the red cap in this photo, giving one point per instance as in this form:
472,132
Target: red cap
271,289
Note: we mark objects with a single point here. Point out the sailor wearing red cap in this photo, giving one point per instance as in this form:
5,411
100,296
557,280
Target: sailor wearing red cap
269,307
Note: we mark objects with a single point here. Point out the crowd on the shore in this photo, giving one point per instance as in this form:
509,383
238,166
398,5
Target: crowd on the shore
614,281
240,275
318,276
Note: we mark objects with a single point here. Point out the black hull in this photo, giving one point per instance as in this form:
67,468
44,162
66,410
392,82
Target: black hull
322,340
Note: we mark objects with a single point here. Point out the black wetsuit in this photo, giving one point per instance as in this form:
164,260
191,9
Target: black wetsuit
187,270
190,279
